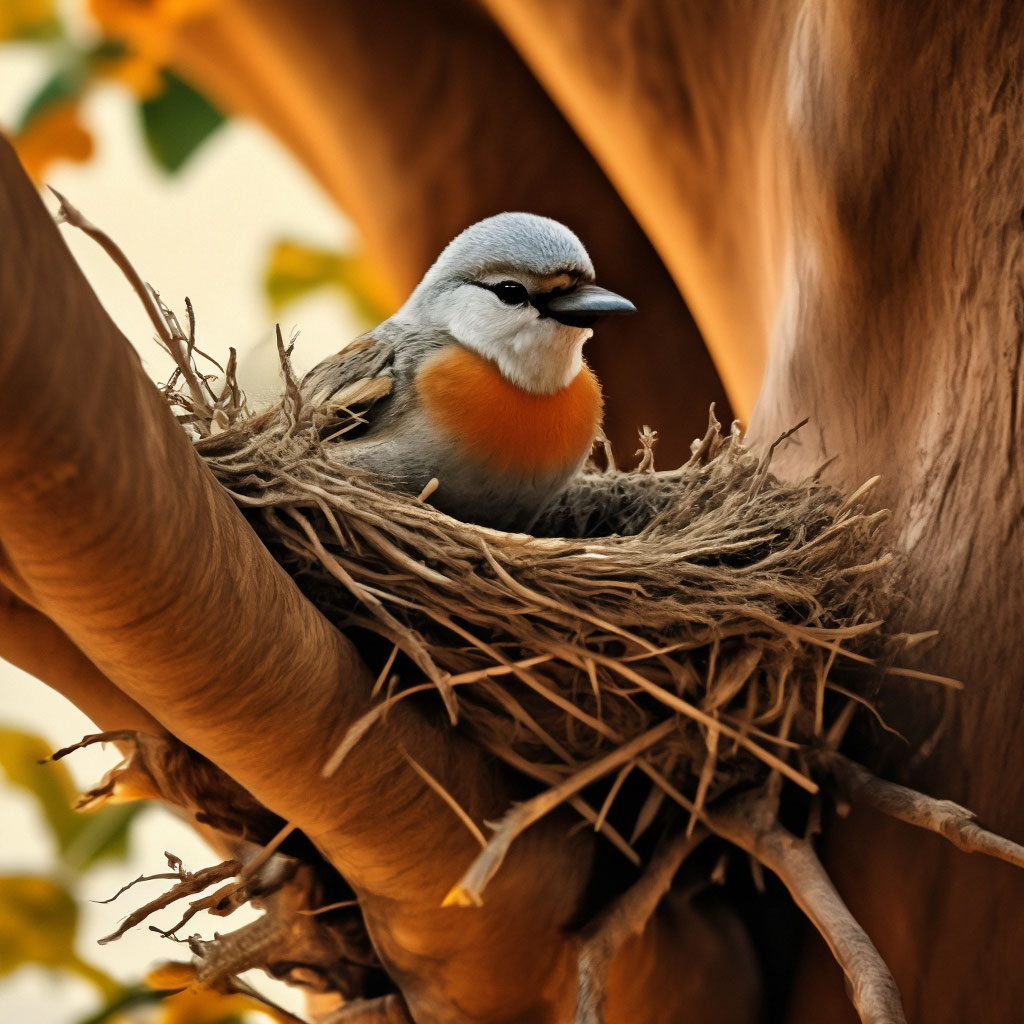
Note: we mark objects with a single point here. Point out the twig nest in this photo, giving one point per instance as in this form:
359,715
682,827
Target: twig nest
695,627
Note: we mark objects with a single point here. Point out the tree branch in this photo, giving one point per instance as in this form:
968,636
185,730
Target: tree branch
38,646
628,915
948,819
751,824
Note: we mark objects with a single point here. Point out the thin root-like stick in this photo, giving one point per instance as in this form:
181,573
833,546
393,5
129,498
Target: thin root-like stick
268,851
948,819
279,1013
114,736
468,891
628,915
358,729
190,884
327,908
750,823
577,803
684,707
71,215
460,812
141,878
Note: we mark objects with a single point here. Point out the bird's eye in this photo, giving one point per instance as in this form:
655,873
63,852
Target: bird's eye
512,293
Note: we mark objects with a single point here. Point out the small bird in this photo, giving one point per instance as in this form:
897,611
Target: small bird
490,394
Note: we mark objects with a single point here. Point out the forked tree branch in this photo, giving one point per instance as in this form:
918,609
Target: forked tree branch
750,823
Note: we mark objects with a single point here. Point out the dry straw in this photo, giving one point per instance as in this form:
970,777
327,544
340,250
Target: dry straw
708,630
694,628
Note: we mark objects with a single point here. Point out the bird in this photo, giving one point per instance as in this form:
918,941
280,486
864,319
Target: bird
490,394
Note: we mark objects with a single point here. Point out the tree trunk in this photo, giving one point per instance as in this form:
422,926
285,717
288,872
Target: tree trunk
836,181
839,180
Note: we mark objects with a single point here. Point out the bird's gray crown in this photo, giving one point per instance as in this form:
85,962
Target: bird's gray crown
513,242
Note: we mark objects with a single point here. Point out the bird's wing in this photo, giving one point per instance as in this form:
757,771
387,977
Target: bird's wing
360,375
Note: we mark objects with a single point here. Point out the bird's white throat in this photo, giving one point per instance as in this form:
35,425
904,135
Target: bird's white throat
536,353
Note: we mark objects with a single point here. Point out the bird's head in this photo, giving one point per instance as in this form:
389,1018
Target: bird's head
518,289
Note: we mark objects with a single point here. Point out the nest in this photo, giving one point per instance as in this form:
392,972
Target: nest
665,654
695,628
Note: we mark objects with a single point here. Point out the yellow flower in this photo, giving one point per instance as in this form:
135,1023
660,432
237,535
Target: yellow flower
199,1005
138,72
203,1006
171,975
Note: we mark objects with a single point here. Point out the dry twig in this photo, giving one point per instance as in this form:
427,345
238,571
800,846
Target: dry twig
948,819
750,823
190,883
171,336
468,891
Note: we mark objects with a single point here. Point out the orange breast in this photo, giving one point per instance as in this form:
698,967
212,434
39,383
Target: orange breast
502,425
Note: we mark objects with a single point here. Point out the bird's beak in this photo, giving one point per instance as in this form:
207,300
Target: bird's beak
583,305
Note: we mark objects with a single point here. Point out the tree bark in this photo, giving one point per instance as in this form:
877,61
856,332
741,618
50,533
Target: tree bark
130,547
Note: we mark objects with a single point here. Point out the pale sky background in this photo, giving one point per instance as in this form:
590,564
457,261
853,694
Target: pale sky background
205,233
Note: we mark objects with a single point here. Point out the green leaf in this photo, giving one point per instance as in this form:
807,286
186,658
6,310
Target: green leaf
50,784
38,919
82,839
70,80
66,83
177,122
102,835
37,923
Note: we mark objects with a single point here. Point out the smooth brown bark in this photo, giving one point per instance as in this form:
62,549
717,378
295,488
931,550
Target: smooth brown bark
906,348
38,646
675,102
